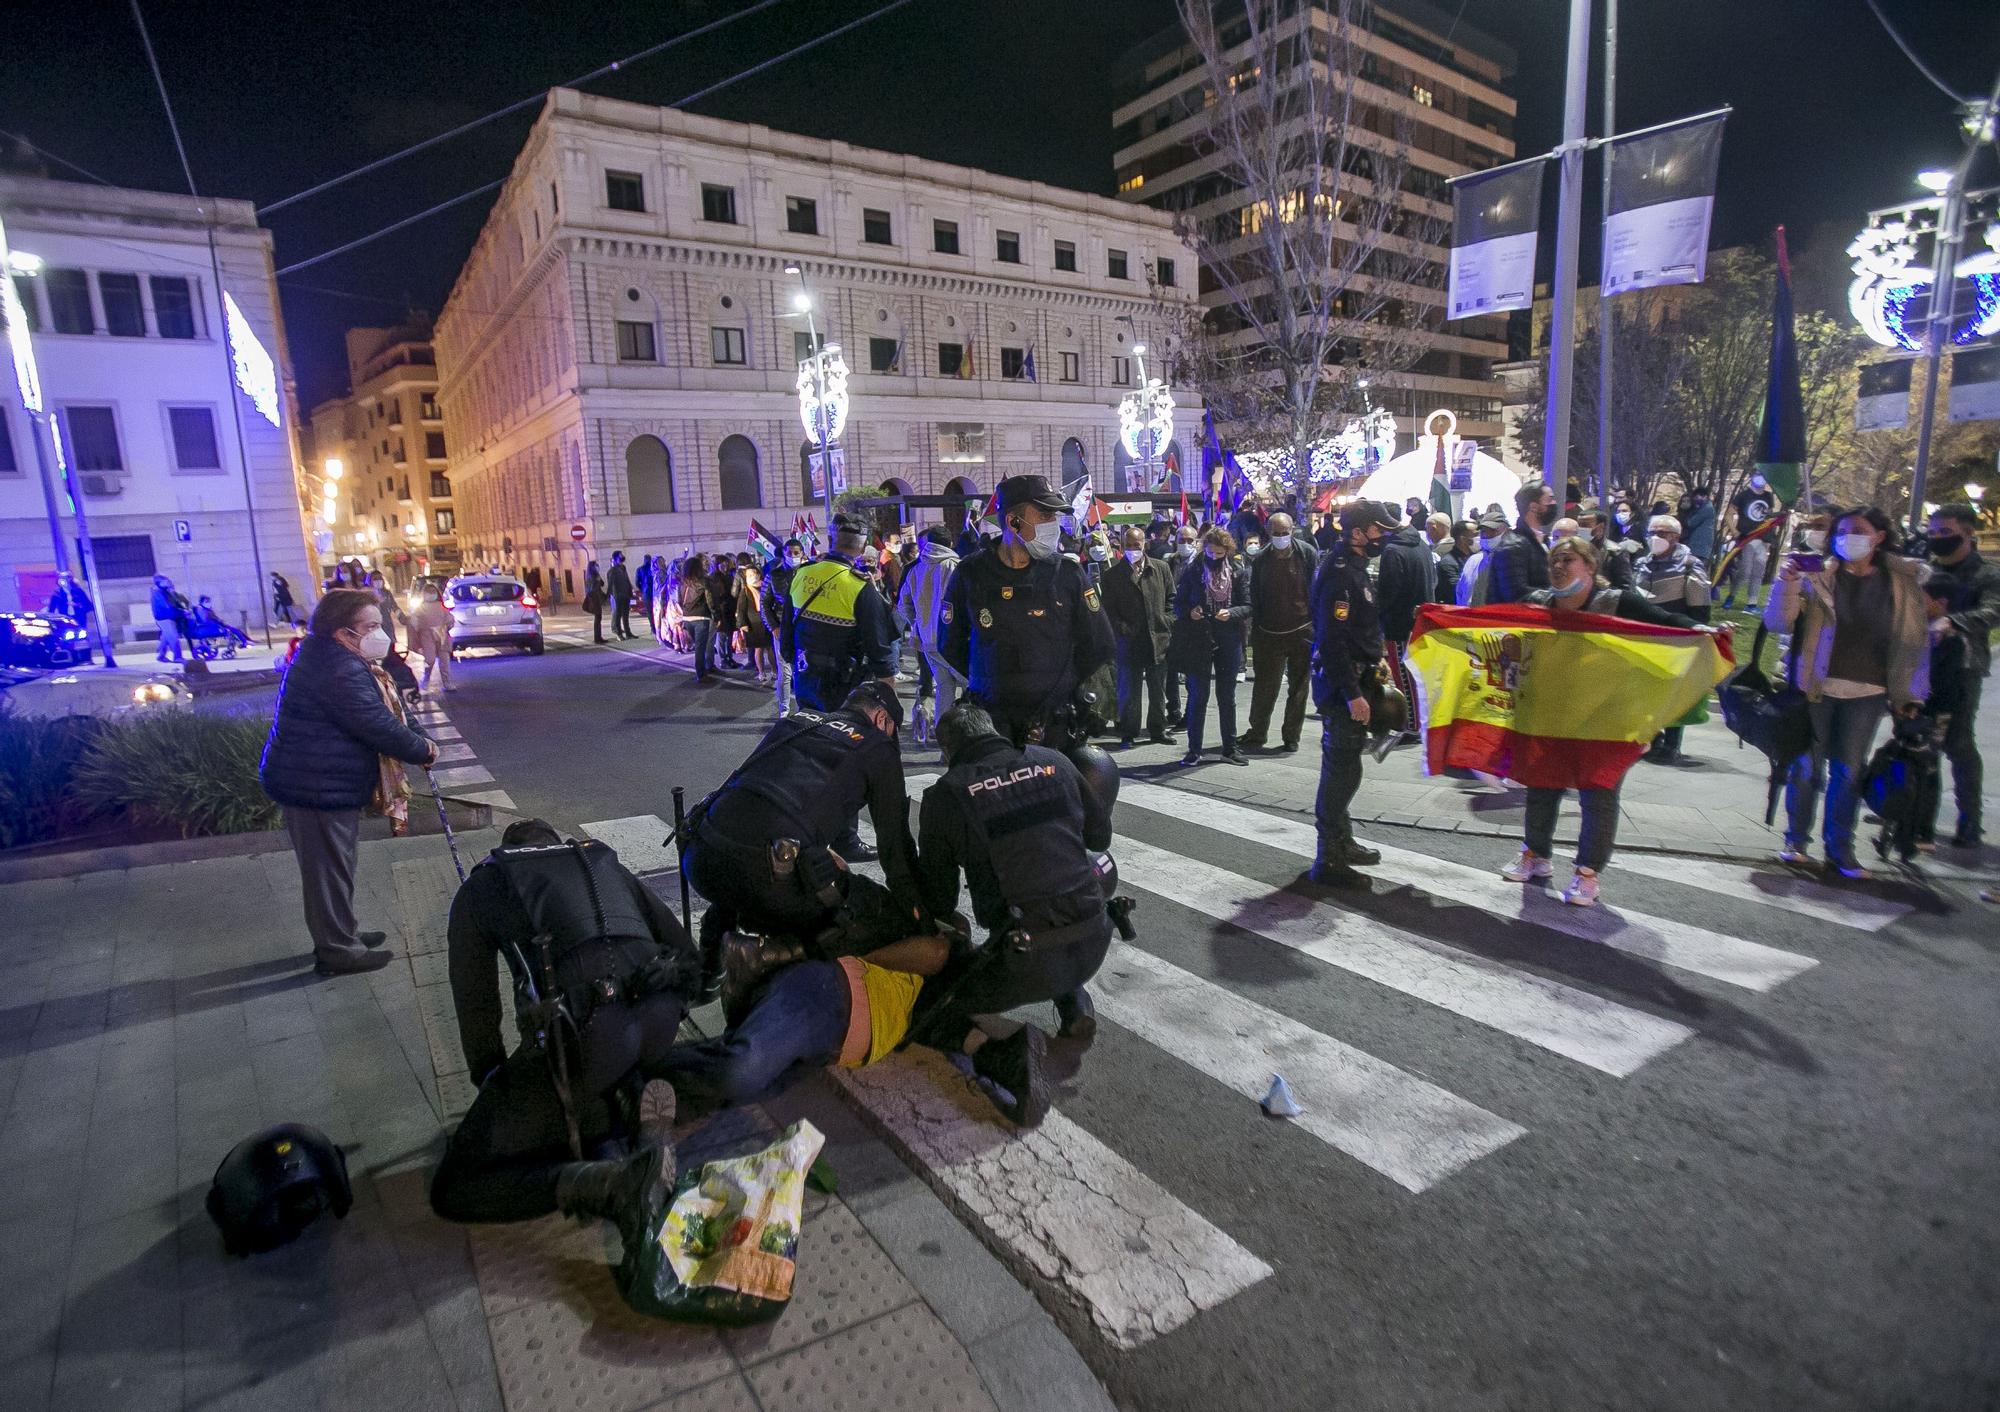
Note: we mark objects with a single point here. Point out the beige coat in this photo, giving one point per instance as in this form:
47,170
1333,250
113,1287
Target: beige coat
430,630
1808,600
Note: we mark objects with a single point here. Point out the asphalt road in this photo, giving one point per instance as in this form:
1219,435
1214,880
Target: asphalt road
1740,1154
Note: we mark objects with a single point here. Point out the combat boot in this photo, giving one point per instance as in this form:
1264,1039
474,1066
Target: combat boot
1078,1016
746,959
631,1193
1015,1064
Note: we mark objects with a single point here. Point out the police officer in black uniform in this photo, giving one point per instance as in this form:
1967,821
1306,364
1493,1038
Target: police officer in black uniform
585,930
842,629
1346,661
1025,828
1020,623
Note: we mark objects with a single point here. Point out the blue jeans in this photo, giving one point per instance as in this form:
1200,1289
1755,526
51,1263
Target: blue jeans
799,1020
701,641
1223,660
1843,734
1600,824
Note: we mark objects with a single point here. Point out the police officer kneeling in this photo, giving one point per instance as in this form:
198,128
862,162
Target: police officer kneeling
575,922
1022,823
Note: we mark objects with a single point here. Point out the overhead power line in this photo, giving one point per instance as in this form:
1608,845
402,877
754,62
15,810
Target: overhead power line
699,94
60,161
536,97
1911,55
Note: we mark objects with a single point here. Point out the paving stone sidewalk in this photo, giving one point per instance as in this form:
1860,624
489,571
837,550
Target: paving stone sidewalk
156,1015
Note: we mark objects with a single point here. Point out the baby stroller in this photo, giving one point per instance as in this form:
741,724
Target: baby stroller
1902,785
207,636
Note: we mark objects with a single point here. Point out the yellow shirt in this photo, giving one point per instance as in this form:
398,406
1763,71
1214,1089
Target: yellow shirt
879,1006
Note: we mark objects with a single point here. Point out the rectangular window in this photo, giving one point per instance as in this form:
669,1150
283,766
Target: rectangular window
718,204
124,315
440,486
876,228
10,465
1013,362
950,356
427,407
725,345
883,355
803,346
944,237
1070,372
173,305
193,431
392,411
69,301
1121,372
1115,264
122,556
433,446
402,451
801,215
1007,246
91,433
1163,271
624,191
635,342
1066,255
24,285
445,520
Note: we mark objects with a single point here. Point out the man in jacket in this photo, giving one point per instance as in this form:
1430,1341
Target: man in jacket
1281,634
1405,581
1136,589
169,610
722,602
618,583
777,610
921,603
1972,611
1452,557
1674,579
842,630
576,922
642,587
1614,560
1347,648
71,601
1475,577
1753,506
1521,559
1698,524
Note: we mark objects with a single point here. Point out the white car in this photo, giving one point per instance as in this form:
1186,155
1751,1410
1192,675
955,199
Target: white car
493,610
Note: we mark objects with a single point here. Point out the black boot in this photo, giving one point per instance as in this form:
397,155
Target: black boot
1015,1064
1078,1016
746,959
630,1193
712,929
1354,853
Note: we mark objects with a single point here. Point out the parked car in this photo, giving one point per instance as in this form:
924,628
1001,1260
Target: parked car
42,641
493,610
424,588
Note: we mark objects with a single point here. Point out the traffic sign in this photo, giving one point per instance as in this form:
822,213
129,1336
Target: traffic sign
577,534
183,531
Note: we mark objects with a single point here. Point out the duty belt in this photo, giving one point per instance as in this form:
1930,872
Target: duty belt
1090,929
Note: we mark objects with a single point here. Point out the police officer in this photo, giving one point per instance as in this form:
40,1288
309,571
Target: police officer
1021,625
1022,823
1346,655
575,920
842,629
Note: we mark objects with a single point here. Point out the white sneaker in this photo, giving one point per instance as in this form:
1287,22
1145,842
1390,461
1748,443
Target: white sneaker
1850,869
1582,890
1793,856
1528,868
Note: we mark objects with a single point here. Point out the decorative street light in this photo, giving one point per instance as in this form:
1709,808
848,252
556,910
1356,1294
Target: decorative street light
822,387
1145,419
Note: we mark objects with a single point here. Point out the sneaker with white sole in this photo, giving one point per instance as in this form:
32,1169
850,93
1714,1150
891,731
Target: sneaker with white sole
1582,890
1793,856
1529,867
1849,868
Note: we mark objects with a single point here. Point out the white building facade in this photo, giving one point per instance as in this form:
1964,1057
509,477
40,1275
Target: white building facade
619,357
173,397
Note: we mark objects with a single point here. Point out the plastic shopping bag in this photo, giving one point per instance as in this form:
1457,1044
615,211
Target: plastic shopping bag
726,1246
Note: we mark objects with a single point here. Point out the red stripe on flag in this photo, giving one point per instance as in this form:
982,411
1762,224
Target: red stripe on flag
1540,762
1526,615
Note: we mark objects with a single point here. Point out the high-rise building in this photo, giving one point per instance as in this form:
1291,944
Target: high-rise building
1419,66
619,358
394,506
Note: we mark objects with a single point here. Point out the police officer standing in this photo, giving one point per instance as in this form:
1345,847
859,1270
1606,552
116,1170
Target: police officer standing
842,629
1021,625
585,931
1346,653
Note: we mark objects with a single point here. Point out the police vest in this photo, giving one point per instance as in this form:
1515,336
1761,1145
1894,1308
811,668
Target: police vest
577,894
1032,825
822,596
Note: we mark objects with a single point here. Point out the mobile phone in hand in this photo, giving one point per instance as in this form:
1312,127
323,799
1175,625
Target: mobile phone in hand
1807,563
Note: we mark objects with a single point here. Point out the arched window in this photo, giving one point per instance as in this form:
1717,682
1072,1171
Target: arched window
1072,461
649,476
736,462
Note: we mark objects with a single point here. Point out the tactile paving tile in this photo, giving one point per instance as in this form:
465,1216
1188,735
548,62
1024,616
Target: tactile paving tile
906,1361
529,1261
844,1278
431,968
588,1352
730,1394
424,889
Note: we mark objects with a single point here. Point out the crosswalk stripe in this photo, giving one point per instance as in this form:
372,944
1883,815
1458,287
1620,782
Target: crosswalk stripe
1574,1023
1685,947
463,774
1408,1129
1060,1205
639,840
1772,887
449,752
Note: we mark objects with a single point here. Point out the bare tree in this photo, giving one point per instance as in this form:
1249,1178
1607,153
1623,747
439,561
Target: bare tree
1319,254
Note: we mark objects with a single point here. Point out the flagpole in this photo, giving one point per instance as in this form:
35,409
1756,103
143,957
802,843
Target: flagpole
1605,325
1569,217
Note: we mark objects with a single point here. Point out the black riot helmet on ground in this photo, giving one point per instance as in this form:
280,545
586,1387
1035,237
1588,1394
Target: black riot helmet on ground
274,1184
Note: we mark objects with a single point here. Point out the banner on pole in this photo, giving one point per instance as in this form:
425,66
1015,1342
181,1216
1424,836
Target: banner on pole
1494,220
1975,385
1882,398
1662,195
818,461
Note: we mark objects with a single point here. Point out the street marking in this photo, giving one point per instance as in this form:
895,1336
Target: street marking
450,752
639,840
442,731
1573,1023
498,798
1408,1129
1775,886
1677,944
463,774
1063,1209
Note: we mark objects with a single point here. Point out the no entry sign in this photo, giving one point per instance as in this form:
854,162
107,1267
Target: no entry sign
577,534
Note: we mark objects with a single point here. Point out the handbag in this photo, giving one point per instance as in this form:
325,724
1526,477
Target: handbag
1773,717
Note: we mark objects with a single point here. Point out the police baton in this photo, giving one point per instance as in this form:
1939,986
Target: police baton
449,837
680,849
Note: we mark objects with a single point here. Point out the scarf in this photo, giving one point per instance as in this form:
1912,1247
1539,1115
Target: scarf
1218,583
392,789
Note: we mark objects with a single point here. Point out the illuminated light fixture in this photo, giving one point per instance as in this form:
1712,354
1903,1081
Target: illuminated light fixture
256,374
20,262
1140,349
802,301
1146,419
26,377
1888,278
334,470
823,375
1934,180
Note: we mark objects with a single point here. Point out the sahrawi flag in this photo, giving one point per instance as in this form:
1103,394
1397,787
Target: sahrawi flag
1551,698
1662,195
1494,219
1781,432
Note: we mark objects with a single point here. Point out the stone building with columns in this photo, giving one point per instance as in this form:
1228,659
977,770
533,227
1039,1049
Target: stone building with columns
620,352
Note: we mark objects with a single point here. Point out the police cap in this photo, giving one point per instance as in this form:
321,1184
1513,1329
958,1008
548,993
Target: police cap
1016,491
876,695
1360,514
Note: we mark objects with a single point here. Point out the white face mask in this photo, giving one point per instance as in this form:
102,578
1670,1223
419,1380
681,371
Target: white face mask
1135,556
1853,547
1486,541
1099,553
1659,544
1186,551
375,646
1253,549
1281,542
1815,540
1043,539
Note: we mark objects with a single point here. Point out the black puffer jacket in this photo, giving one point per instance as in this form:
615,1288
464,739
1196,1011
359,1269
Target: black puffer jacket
1406,580
331,727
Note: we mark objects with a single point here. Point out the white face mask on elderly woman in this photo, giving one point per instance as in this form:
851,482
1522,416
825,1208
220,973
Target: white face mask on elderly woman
375,644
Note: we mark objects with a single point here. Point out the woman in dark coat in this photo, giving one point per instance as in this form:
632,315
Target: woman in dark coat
1211,610
323,762
594,597
698,614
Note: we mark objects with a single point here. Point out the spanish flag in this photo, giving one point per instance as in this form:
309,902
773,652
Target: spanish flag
1551,698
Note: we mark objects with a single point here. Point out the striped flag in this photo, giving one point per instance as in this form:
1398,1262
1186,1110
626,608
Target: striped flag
1028,364
764,542
965,362
1781,434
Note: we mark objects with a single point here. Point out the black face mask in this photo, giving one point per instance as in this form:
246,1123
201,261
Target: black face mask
1943,546
1372,548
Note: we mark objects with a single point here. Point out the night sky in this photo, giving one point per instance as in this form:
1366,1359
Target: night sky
1830,119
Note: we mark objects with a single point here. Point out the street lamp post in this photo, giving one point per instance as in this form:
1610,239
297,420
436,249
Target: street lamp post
822,410
1944,284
